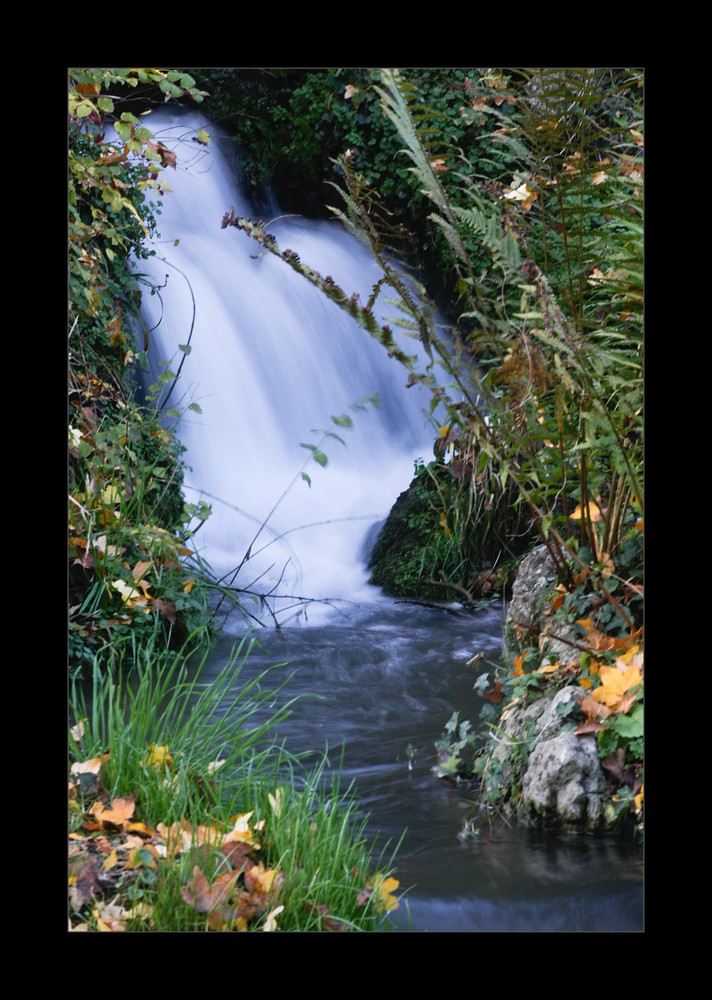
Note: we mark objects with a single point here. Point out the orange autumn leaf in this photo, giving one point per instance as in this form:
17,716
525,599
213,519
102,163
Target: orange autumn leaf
592,509
121,812
519,663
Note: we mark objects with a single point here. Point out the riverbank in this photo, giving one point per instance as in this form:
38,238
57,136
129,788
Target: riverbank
187,815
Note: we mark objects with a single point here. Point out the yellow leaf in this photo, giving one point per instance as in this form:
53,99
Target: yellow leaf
157,758
383,888
110,861
616,682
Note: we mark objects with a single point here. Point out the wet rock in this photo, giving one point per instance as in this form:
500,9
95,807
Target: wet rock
564,784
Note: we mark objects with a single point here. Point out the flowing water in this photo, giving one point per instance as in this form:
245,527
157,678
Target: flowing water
271,362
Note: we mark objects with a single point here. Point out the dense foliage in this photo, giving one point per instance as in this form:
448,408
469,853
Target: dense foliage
128,523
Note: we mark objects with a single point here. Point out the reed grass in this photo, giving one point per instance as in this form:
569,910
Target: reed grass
199,752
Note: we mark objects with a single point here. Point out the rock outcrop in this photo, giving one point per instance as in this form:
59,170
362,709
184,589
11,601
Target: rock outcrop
557,774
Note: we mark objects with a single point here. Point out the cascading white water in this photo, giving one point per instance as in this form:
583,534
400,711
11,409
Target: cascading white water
271,362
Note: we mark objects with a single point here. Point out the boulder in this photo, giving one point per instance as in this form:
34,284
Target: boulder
559,773
564,785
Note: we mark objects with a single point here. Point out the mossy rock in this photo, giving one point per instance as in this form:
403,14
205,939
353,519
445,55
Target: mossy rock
398,560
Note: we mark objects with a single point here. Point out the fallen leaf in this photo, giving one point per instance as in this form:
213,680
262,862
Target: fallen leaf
271,921
121,812
205,897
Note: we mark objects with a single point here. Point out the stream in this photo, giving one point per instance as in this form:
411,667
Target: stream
268,370
389,677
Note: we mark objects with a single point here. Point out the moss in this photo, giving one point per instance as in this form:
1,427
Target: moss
398,561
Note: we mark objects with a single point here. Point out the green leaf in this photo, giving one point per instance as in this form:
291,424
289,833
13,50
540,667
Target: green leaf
630,726
123,130
343,421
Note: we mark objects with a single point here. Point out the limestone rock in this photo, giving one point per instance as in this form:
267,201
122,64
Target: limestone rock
535,578
563,784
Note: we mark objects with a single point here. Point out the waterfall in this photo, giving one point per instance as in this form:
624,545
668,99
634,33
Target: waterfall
271,363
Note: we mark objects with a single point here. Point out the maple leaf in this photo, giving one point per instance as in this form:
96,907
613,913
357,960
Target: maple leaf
117,817
616,685
205,897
